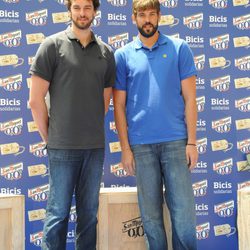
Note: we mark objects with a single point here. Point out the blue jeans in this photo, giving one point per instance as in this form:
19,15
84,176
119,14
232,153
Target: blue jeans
73,171
158,164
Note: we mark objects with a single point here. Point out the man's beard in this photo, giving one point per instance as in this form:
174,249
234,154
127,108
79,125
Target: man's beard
150,33
83,26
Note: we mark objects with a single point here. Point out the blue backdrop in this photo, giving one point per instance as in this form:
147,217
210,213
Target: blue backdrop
218,33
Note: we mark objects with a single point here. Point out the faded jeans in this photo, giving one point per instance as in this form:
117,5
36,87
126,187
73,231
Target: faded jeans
158,164
71,172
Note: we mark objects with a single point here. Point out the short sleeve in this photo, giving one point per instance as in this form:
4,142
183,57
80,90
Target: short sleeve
110,73
186,62
120,82
45,60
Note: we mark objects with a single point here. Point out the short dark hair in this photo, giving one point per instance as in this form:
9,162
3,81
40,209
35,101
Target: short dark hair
145,4
96,4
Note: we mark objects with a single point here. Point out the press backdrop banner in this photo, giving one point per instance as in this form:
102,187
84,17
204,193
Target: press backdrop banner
218,33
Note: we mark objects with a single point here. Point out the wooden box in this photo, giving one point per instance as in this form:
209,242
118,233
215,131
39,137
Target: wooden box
119,222
243,218
12,222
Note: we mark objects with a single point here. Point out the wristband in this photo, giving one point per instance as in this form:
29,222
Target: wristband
191,144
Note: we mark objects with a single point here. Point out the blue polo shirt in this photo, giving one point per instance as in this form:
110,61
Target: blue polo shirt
152,78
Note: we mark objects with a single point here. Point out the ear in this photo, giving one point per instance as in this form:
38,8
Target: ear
133,19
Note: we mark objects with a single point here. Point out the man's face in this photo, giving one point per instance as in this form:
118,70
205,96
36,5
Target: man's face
147,22
82,13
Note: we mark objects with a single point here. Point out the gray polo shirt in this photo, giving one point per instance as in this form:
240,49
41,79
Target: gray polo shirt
77,77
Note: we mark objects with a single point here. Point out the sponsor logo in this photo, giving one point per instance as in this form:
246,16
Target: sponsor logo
13,127
224,229
133,228
219,62
242,124
201,209
200,188
169,20
199,62
201,125
224,209
220,42
243,82
194,3
243,104
118,3
202,145
7,16
61,17
10,191
12,172
221,145
116,19
245,184
118,41
222,188
35,215
219,4
37,170
169,3
37,18
219,104
11,83
114,147
11,59
118,170
36,238
97,21
11,148
244,146
11,1
242,22
241,3
193,22
200,102
200,83
223,167
11,39
242,63
241,41
35,38
39,193
38,149
222,125
221,84
200,168
195,41
112,127
202,231
218,21
72,214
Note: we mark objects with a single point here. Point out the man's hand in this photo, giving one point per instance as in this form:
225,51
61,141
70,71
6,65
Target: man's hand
128,162
191,156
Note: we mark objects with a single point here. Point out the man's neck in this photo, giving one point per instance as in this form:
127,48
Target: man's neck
149,41
84,36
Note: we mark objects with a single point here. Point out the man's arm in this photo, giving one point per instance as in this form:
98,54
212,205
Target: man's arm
128,162
189,94
107,95
38,90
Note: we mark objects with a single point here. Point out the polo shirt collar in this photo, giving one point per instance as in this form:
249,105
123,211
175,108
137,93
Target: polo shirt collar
72,36
161,40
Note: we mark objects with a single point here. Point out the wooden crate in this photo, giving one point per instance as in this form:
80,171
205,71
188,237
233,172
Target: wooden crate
12,222
243,218
119,222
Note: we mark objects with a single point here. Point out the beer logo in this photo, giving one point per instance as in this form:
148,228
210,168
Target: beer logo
37,18
218,4
169,3
13,127
114,147
72,214
35,38
242,83
243,63
39,193
36,170
244,146
200,188
35,215
118,3
133,228
60,17
112,127
118,170
97,21
243,124
241,41
241,3
11,83
243,104
202,145
202,231
11,39
242,166
11,148
221,145
223,167
242,22
224,209
36,238
245,184
38,149
199,62
224,229
118,41
221,84
222,125
12,59
220,42
169,20
219,62
193,22
12,172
